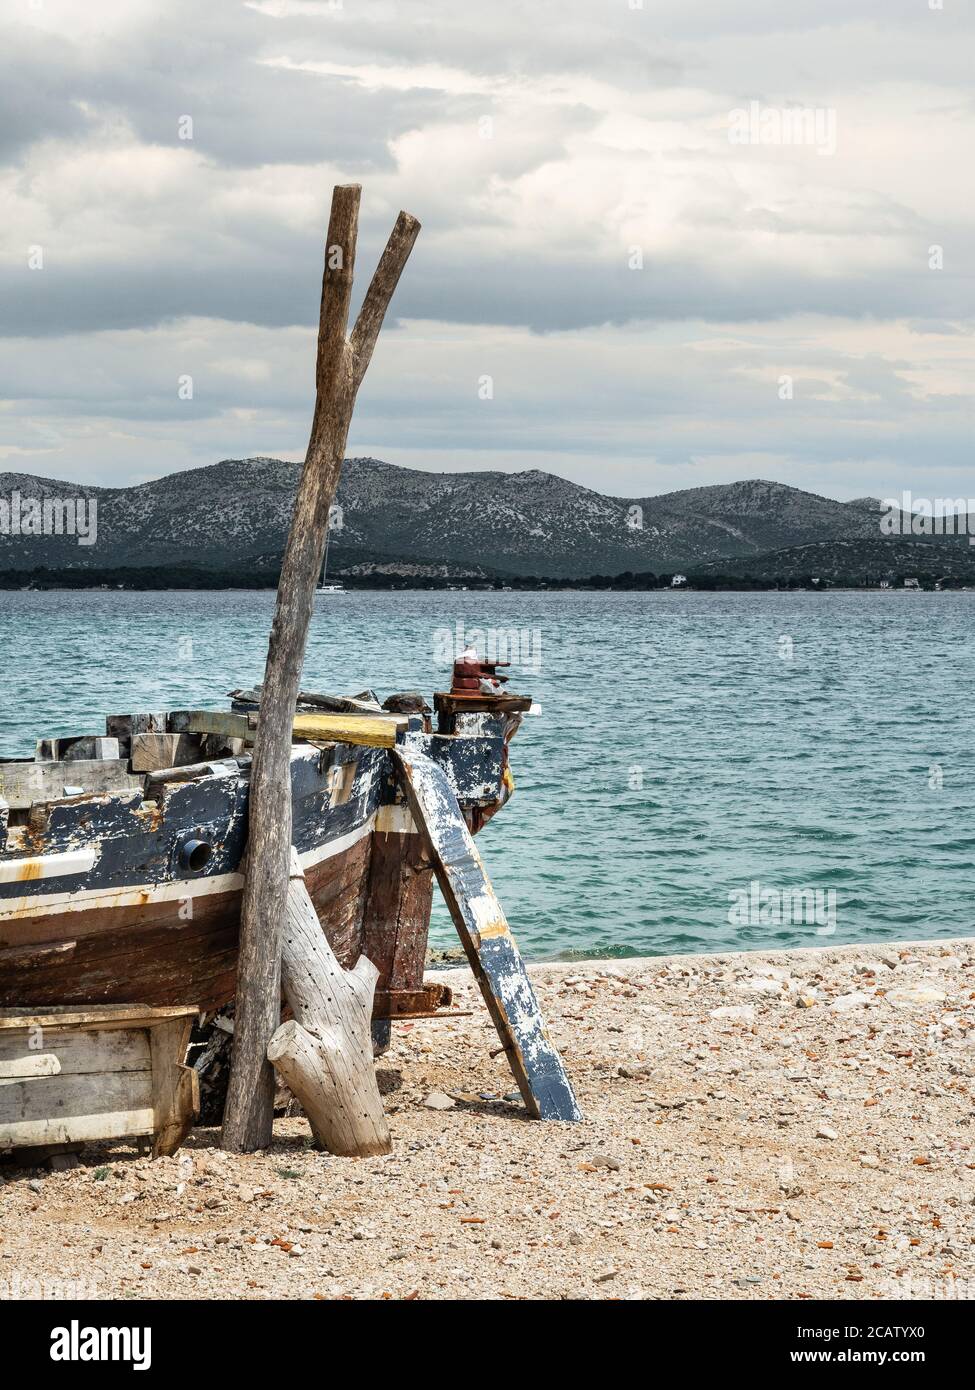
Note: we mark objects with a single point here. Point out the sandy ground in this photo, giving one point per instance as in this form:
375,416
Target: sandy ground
797,1125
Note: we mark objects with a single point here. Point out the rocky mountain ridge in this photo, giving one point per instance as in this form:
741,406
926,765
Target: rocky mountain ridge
236,512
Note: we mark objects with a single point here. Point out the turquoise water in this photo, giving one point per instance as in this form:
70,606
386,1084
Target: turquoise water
687,744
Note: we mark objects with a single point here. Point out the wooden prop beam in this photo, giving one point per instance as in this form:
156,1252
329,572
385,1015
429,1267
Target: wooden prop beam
486,937
340,367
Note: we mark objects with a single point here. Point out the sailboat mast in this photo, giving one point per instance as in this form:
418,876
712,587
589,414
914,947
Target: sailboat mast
328,537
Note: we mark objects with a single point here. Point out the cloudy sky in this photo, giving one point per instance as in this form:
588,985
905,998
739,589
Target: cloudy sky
663,292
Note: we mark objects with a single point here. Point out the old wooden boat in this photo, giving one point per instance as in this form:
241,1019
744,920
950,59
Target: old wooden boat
120,854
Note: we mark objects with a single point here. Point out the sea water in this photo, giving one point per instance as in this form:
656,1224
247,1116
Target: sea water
704,771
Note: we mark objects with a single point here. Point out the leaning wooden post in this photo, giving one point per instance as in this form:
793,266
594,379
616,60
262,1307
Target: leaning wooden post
486,937
341,365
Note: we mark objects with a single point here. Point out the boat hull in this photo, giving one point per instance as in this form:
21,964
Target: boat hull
160,953
98,904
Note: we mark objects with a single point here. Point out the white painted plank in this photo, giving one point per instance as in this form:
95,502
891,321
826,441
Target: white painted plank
23,783
47,1052
28,870
71,1109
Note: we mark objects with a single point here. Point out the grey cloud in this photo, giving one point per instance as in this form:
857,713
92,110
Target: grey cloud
244,113
609,38
545,295
942,327
733,252
36,100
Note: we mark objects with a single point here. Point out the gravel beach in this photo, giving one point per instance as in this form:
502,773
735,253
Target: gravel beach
786,1126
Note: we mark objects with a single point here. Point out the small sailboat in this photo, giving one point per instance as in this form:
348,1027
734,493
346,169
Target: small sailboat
324,587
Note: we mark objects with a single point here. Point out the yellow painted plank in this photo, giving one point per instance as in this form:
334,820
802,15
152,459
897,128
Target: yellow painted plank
373,730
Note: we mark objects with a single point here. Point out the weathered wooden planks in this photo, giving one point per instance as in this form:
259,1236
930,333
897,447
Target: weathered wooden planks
175,1087
486,937
74,1076
105,1017
74,1109
35,867
23,783
79,1052
80,748
215,721
152,752
447,705
123,726
396,915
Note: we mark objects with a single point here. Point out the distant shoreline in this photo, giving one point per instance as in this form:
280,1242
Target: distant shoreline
176,581
474,588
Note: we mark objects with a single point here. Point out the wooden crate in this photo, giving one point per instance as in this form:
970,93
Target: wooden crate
70,1076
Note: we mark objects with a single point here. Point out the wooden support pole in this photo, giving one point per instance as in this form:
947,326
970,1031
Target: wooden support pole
341,365
324,1054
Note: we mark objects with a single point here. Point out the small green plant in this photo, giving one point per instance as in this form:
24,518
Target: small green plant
100,1174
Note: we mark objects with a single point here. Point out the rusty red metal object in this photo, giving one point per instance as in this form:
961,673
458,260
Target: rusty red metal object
400,1003
469,671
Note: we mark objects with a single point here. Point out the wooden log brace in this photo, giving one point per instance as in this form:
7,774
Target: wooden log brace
486,937
324,1054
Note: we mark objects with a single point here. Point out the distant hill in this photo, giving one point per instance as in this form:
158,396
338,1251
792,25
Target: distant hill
853,561
235,513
